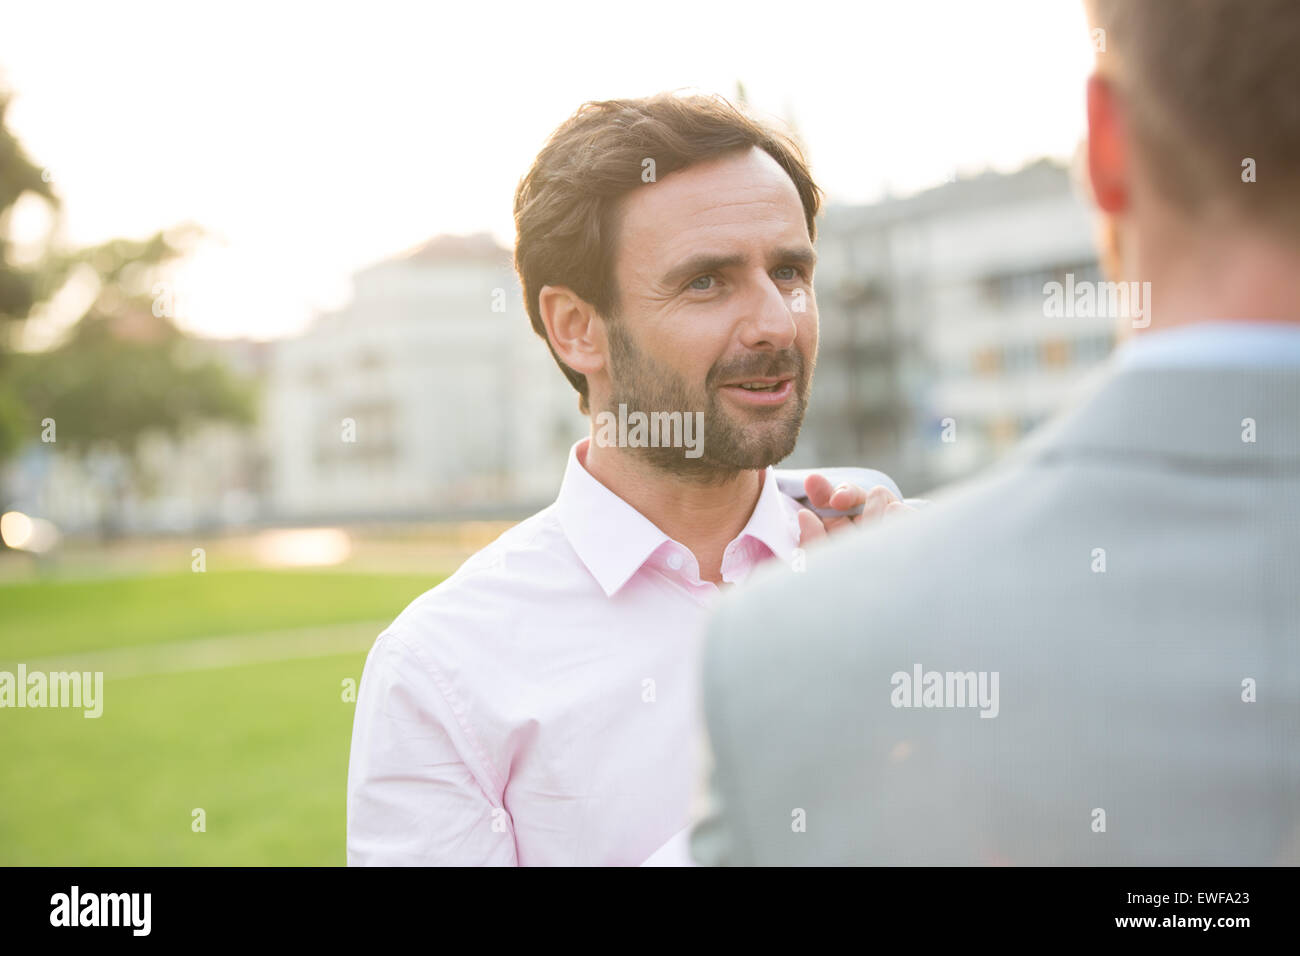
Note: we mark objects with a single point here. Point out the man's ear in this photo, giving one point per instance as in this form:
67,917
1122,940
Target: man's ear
576,332
1108,152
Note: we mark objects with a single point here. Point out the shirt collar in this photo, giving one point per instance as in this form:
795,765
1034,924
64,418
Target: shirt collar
614,540
1212,344
773,522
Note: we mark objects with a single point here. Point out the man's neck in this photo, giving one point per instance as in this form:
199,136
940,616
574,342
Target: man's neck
703,517
1230,276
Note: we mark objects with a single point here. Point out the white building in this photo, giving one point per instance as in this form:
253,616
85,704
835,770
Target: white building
932,313
429,394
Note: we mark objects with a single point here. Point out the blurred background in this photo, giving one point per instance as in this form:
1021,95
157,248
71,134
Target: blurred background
266,374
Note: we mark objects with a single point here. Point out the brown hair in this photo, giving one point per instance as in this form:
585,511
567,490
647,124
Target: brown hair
566,206
1209,84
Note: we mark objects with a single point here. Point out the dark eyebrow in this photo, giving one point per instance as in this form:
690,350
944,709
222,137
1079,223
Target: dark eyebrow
800,255
710,262
699,265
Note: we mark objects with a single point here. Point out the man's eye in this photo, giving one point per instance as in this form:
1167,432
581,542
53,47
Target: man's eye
794,273
702,288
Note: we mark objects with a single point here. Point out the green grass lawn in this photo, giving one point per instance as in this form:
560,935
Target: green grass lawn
44,619
261,748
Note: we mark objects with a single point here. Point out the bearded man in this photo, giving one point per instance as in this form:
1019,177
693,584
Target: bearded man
539,707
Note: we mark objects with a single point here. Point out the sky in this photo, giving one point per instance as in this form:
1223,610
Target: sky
311,140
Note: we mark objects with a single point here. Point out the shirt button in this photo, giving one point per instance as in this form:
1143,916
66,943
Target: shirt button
675,561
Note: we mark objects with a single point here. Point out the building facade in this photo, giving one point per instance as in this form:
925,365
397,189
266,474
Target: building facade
428,394
937,353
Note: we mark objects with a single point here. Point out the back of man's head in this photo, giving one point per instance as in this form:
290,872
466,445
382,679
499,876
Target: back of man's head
1211,93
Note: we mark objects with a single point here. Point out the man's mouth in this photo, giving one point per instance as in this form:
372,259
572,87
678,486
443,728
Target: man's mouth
760,391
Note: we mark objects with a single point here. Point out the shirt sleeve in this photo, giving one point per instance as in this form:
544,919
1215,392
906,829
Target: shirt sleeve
412,797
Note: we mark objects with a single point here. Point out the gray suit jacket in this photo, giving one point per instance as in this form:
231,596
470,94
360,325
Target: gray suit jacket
1132,575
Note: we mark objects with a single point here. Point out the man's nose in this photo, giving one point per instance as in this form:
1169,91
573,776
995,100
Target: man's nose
768,318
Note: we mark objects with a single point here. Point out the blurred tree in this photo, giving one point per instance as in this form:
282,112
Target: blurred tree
18,286
124,369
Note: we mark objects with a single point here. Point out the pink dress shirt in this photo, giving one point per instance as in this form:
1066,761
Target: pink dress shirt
540,706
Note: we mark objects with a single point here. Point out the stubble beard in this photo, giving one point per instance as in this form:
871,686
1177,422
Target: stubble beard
728,443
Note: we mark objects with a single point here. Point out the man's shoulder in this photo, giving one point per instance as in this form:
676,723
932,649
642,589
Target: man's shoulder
907,552
538,538
496,584
980,563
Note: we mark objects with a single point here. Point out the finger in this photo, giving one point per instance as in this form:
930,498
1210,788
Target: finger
878,499
833,525
818,488
810,527
847,496
896,509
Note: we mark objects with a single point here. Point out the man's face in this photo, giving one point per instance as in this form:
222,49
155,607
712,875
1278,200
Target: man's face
714,270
